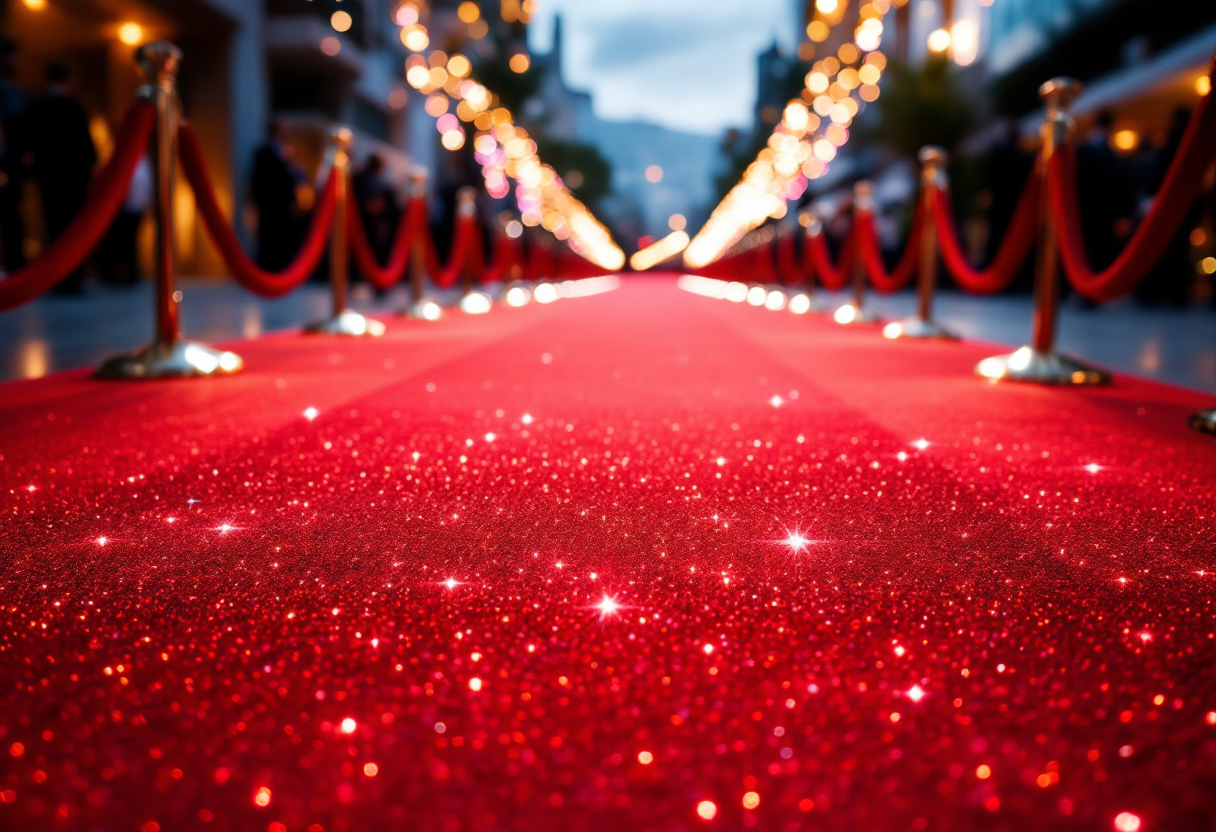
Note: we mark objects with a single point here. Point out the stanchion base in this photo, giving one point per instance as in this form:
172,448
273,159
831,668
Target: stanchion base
849,315
347,324
1204,421
181,359
917,327
1035,367
423,310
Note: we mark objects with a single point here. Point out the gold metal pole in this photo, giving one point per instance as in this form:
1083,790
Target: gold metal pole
339,262
342,321
856,312
1039,363
472,302
168,356
818,303
419,307
466,209
515,290
921,325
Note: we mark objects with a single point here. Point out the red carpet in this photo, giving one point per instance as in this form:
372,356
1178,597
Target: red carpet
219,614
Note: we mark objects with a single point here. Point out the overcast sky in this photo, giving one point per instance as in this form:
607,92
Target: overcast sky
686,64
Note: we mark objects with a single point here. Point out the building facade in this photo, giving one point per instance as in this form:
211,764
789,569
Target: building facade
247,62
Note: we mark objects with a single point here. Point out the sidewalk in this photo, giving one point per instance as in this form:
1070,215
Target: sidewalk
53,334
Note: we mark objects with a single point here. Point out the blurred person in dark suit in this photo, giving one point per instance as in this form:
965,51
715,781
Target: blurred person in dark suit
378,207
14,109
1009,169
1170,279
1107,189
274,183
117,259
63,156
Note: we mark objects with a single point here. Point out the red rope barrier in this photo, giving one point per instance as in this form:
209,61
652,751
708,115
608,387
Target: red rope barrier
106,196
871,255
1178,193
1019,238
414,229
807,266
244,270
507,259
467,255
787,260
763,270
540,261
831,277
386,276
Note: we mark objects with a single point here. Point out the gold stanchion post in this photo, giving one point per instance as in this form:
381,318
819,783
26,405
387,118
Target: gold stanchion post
818,303
420,307
168,356
466,209
342,321
921,325
1039,363
515,289
856,311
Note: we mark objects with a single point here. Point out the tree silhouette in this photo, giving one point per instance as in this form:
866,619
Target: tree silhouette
921,106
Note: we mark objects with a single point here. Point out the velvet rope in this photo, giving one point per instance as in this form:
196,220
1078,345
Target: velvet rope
540,261
787,261
244,270
467,255
871,255
412,222
106,196
1173,201
724,268
808,263
507,258
831,277
763,270
1019,239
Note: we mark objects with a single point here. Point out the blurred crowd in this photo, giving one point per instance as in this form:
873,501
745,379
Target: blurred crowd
1116,189
45,140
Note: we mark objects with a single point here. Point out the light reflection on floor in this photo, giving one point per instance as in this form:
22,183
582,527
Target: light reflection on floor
52,334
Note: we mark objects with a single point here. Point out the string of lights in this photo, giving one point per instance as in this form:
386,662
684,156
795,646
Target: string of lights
809,135
503,149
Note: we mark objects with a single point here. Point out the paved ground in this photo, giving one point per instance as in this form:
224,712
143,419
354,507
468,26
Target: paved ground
1177,346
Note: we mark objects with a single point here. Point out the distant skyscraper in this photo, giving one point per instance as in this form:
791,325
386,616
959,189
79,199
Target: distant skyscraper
566,113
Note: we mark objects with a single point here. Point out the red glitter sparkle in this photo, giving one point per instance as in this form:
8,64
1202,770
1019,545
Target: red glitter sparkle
178,676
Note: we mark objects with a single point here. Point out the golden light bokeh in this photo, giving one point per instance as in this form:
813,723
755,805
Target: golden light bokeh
1126,140
132,34
806,140
504,150
939,41
341,21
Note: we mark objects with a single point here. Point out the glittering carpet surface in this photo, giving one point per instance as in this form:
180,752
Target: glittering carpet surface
640,561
